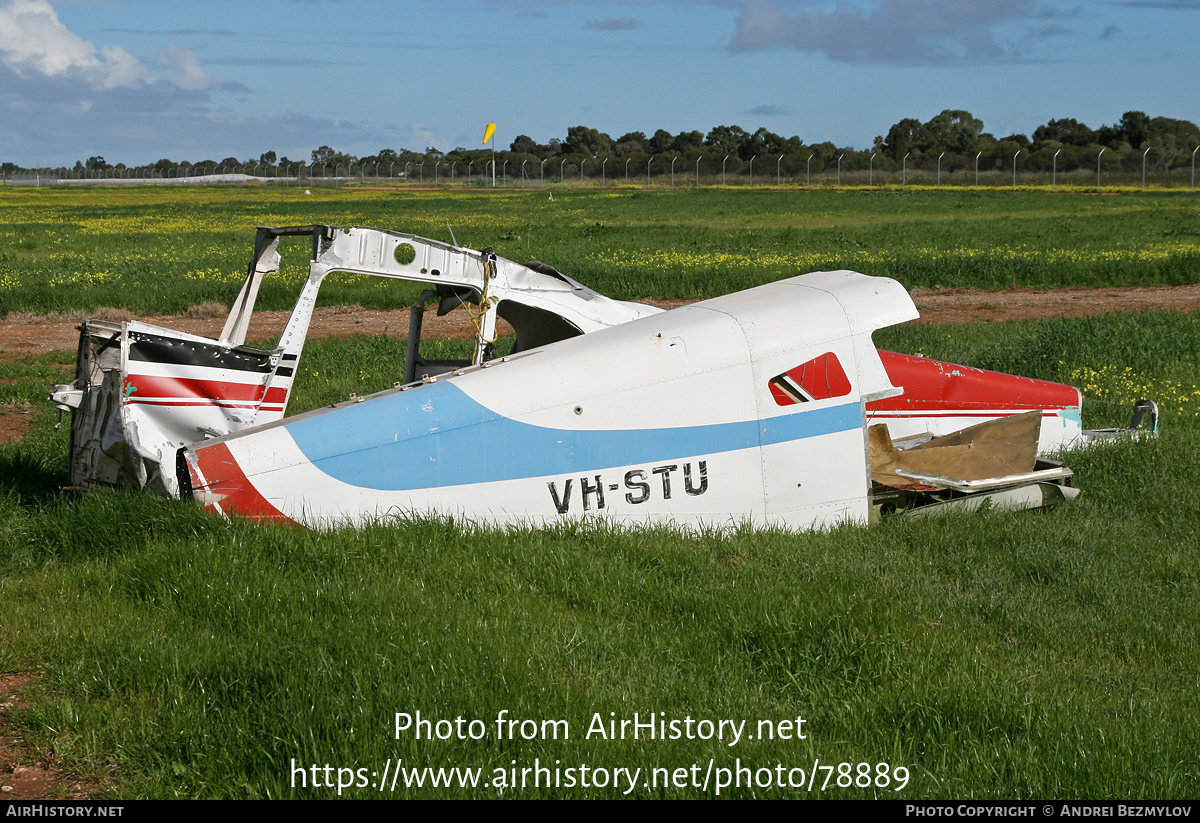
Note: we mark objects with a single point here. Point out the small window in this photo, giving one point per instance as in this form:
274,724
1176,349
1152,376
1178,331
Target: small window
819,379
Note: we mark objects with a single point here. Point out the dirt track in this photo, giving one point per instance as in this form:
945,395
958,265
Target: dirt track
29,336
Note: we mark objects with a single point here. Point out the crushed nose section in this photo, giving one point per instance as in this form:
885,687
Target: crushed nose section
106,448
142,391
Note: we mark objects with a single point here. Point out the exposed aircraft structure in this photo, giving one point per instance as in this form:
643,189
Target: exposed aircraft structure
142,392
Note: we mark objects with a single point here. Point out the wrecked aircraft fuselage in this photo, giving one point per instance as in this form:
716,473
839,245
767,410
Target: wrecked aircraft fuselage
755,406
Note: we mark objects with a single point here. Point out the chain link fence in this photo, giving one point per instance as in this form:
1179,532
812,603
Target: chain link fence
849,170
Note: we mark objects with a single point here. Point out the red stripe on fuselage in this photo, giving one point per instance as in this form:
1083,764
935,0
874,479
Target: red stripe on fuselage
157,387
220,474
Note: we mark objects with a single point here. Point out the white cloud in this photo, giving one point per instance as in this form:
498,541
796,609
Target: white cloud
182,68
34,41
62,98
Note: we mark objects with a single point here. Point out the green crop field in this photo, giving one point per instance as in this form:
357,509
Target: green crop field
1044,654
162,250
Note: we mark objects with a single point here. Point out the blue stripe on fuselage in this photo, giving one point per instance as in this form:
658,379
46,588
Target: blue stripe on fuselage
436,435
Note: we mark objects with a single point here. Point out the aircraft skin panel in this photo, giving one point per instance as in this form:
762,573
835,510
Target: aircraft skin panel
817,481
687,367
1060,430
436,436
814,308
185,391
717,489
236,495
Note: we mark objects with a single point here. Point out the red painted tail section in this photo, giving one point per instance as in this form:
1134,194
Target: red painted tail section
936,389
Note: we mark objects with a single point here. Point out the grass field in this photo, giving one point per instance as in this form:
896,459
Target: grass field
1046,654
160,251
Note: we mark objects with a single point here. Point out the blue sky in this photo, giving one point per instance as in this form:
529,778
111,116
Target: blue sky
192,79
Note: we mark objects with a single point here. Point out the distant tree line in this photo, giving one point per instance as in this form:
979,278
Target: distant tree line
961,136
952,140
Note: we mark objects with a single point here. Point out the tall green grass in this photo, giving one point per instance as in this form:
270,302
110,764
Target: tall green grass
994,655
